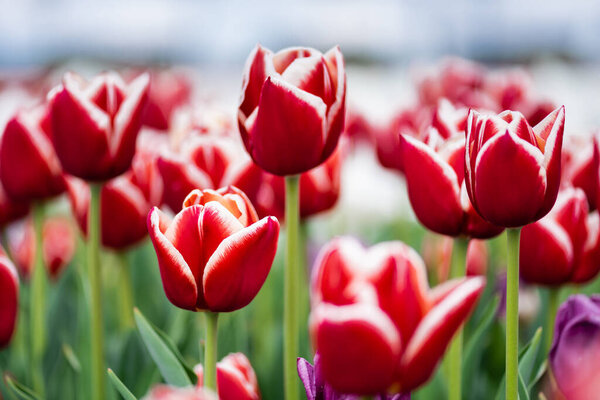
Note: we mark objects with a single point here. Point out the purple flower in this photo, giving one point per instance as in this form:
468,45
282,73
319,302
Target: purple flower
576,347
317,389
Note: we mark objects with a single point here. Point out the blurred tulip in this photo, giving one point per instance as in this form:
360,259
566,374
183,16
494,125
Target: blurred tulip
576,348
435,175
58,245
206,162
29,167
291,111
9,298
357,126
10,210
437,253
581,167
214,255
513,171
168,90
564,246
95,124
375,322
165,392
236,379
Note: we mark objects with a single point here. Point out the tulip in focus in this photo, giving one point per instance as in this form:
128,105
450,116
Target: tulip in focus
29,167
374,321
9,298
435,177
236,379
513,171
576,348
95,124
564,246
58,242
215,254
292,106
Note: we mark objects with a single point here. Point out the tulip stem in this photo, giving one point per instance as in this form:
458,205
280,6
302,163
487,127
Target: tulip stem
553,296
290,312
95,279
457,270
210,350
37,303
512,313
126,292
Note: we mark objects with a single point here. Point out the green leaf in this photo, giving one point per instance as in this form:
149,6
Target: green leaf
527,357
22,391
120,386
167,362
71,358
538,375
523,391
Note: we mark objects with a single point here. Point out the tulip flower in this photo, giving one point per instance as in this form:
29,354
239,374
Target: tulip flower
168,91
11,210
291,110
58,245
9,299
436,166
581,167
526,186
165,392
95,124
29,167
564,246
374,321
236,379
576,348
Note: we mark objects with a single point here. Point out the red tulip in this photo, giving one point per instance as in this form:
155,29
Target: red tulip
236,379
9,299
10,210
29,167
214,255
437,253
58,242
95,124
375,322
564,246
581,167
291,111
434,172
168,90
165,392
513,171
206,162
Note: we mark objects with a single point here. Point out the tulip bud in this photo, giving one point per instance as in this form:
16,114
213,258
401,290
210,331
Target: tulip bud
214,255
95,124
374,321
9,298
564,246
236,379
291,110
576,348
29,167
434,172
513,171
58,243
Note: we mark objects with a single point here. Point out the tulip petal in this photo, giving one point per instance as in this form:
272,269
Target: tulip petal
239,266
236,379
433,188
336,114
429,342
288,132
218,223
180,177
258,66
9,298
510,182
311,74
358,347
589,266
177,277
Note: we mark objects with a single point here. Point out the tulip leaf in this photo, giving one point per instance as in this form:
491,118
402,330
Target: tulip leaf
22,391
120,386
527,357
71,358
167,362
538,375
472,352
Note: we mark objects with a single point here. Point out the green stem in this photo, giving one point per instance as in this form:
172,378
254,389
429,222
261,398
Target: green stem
126,293
210,350
457,270
95,279
290,311
303,294
553,296
37,311
512,313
